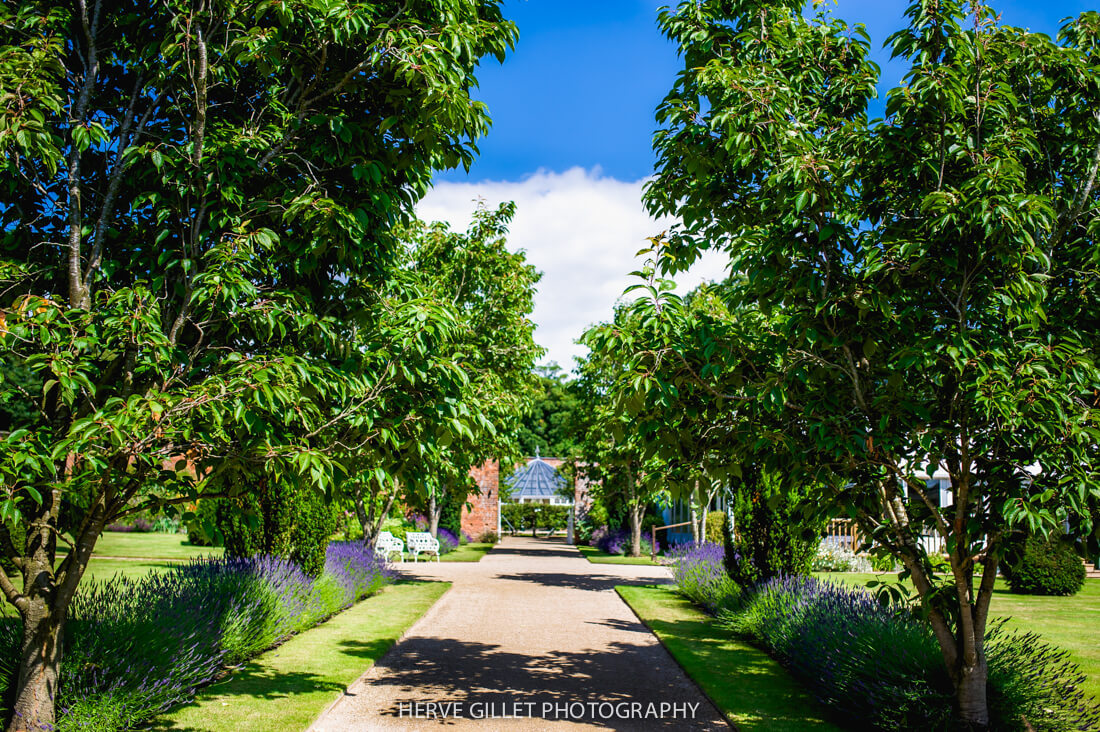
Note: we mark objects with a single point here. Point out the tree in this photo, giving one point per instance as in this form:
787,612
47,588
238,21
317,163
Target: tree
931,269
614,454
689,362
198,201
491,290
550,426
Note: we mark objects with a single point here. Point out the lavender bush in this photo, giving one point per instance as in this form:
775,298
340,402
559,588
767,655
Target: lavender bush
701,576
448,542
616,542
136,647
880,666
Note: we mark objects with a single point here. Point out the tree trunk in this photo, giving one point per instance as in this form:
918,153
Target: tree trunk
636,531
39,666
970,693
695,533
435,510
369,518
361,513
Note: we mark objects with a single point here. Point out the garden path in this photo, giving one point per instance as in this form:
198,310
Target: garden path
532,637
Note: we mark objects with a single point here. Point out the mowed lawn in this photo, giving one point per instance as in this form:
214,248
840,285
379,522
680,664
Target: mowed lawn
472,552
1072,623
149,546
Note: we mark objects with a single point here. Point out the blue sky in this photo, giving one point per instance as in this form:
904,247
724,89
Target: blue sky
582,85
572,113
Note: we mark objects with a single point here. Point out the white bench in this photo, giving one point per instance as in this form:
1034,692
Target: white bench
421,542
389,544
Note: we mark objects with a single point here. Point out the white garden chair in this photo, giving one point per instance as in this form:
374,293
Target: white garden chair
388,544
421,542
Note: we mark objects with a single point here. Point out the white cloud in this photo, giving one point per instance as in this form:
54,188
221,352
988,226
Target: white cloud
581,231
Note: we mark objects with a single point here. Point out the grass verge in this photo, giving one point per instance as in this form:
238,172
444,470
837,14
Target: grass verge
1067,622
472,552
595,556
288,687
751,689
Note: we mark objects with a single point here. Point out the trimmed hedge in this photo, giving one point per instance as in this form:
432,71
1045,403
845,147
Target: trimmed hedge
532,516
1043,566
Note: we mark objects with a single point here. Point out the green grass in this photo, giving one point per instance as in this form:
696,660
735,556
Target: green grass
1067,622
751,689
472,552
149,546
100,569
142,553
595,556
289,687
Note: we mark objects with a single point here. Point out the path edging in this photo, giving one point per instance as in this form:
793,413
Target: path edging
708,697
374,665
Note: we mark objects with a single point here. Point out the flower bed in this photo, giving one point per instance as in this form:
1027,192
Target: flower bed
880,667
135,647
617,541
448,542
701,576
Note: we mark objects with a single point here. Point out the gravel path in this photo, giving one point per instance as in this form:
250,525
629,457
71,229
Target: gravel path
532,637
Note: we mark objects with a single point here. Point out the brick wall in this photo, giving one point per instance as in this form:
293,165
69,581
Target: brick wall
480,513
582,498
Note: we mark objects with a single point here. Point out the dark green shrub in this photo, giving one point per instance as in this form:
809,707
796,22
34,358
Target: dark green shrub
774,536
279,518
450,515
1043,566
716,528
489,537
204,524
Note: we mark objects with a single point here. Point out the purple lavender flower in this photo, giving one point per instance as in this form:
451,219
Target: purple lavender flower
138,646
700,574
448,542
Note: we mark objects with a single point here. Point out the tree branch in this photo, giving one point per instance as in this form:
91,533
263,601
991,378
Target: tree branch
1082,199
16,598
106,211
78,296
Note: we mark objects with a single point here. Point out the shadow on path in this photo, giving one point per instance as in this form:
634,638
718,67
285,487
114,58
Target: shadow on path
595,686
590,582
551,549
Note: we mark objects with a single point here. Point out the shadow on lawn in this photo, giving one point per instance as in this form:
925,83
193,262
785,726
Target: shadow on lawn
556,686
255,683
